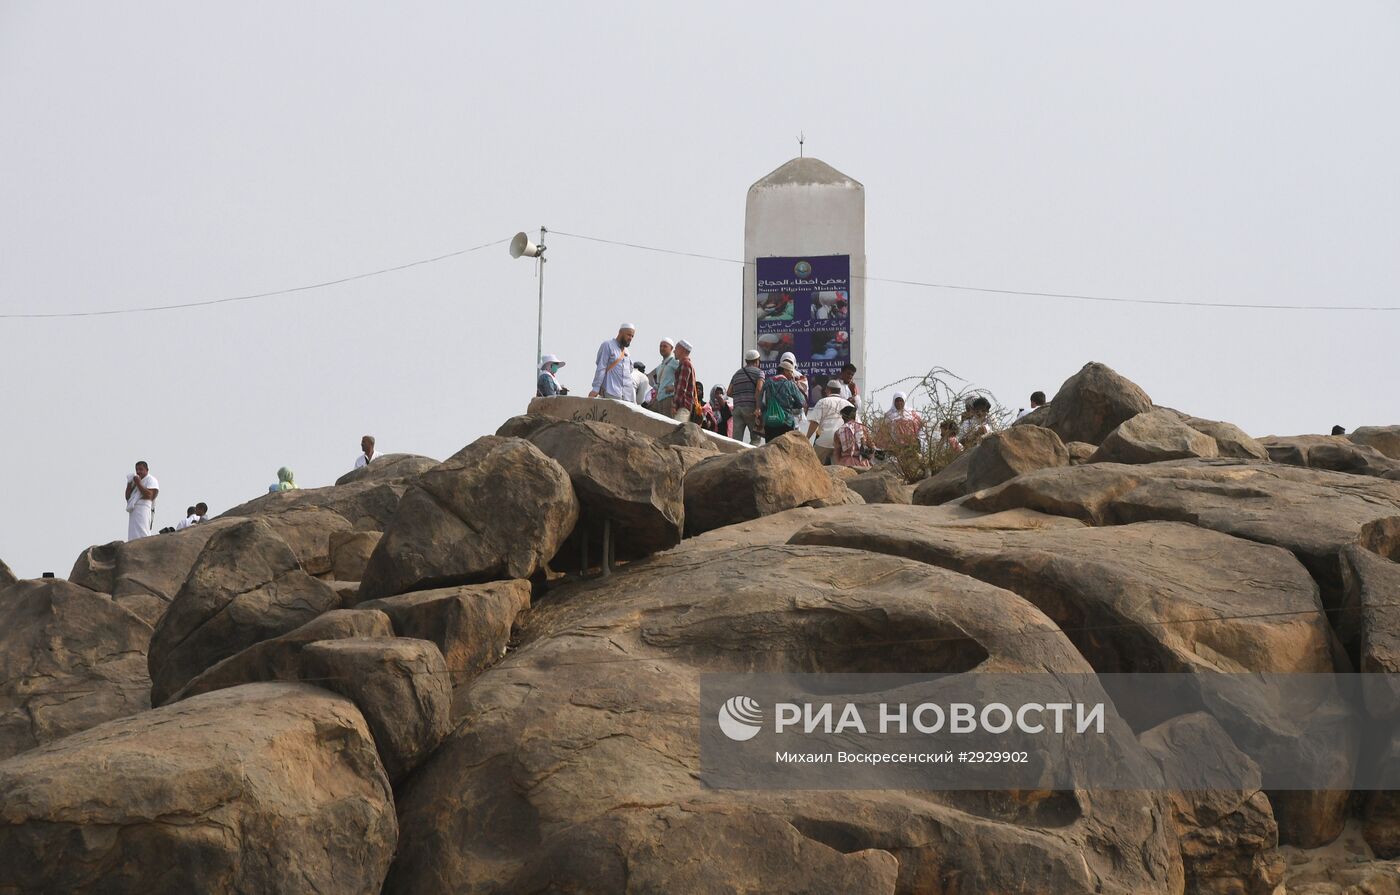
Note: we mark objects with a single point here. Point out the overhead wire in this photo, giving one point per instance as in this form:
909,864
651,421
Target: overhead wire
1025,292
255,295
927,284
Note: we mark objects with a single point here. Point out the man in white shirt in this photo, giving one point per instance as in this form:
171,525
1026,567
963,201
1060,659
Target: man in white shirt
825,419
1037,402
612,373
367,449
190,519
849,391
141,491
641,382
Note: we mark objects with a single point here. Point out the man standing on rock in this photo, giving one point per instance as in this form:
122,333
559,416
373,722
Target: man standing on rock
612,377
849,390
686,395
141,491
825,419
367,452
663,376
743,388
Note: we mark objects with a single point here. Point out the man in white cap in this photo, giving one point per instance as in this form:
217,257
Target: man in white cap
826,419
547,386
684,397
743,388
613,376
663,376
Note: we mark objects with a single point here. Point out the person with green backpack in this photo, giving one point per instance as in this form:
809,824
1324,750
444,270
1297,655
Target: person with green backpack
780,400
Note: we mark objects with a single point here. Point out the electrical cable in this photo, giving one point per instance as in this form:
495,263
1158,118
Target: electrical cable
996,291
255,295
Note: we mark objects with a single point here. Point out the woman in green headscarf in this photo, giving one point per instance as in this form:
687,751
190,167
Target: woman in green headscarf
285,481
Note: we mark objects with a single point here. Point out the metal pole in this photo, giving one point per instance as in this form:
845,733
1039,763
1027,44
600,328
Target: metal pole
539,330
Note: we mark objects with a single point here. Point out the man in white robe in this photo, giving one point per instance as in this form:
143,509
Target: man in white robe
141,491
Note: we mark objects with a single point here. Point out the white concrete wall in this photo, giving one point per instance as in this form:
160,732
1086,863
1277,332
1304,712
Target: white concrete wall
806,207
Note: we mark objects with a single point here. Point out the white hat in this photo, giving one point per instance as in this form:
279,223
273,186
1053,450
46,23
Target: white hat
769,338
623,326
787,364
751,354
900,396
789,356
668,341
684,344
550,359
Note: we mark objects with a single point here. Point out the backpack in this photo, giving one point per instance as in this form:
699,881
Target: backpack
775,415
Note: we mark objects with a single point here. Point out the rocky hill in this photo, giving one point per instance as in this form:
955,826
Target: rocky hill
482,675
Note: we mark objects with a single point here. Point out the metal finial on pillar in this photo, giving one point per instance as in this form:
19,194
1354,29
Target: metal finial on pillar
801,139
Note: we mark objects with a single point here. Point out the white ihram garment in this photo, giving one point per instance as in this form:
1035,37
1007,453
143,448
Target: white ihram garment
140,512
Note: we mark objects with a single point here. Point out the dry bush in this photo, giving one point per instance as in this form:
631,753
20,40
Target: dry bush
935,396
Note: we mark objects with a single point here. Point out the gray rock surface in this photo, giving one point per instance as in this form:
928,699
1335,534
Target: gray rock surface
471,625
245,587
69,659
1228,834
279,658
732,488
399,684
1153,437
269,788
498,508
1091,404
586,775
1002,456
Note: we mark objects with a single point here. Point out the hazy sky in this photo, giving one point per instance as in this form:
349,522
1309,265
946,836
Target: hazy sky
153,153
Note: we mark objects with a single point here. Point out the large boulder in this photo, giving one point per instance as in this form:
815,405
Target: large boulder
1230,440
350,553
1004,455
1132,598
245,587
1380,810
1080,452
949,483
1163,597
399,684
1313,513
145,575
575,408
882,485
1373,587
69,659
269,788
308,531
279,658
1091,404
621,476
367,504
730,488
498,508
1334,452
388,467
1385,439
1152,437
577,767
1229,839
471,625
7,577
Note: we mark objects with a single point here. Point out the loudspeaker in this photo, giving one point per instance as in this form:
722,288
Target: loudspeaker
521,245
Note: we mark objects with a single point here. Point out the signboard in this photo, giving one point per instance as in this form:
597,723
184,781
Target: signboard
803,305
